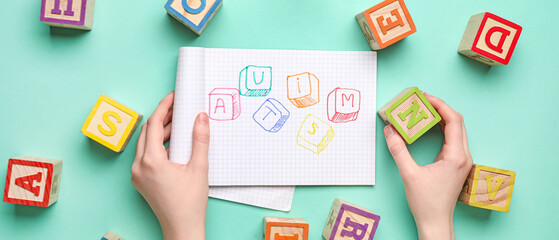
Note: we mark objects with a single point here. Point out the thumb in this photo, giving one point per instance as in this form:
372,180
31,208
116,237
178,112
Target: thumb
399,151
200,143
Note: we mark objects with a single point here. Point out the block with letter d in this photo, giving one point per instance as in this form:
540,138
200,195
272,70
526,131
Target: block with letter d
489,39
489,188
349,221
385,23
111,124
315,134
277,228
343,105
194,14
410,113
225,104
33,181
255,81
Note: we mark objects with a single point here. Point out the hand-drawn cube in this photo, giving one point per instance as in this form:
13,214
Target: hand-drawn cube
343,105
111,124
314,134
225,104
303,89
489,39
33,181
410,113
276,228
111,236
349,221
271,115
76,14
255,81
194,14
385,23
489,188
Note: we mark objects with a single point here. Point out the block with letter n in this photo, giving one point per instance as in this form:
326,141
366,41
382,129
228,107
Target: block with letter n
489,39
349,221
76,14
410,113
489,188
277,228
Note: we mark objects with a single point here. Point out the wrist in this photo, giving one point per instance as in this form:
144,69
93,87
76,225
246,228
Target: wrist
439,229
184,231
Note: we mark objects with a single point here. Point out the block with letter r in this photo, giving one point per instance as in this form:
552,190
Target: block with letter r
271,115
410,113
255,81
349,221
343,105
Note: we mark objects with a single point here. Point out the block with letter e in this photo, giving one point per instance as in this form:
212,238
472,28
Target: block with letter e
33,181
489,39
489,188
343,105
385,23
111,124
314,134
303,89
277,228
271,115
225,104
194,14
255,81
349,221
76,14
410,113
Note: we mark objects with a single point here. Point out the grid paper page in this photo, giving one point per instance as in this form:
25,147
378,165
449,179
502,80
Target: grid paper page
242,152
184,111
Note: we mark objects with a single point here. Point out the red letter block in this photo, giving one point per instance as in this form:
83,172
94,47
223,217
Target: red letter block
32,181
225,104
343,105
489,39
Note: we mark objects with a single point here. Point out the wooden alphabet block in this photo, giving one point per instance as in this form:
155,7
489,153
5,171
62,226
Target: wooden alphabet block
314,134
488,187
194,14
343,105
410,113
33,181
489,39
302,89
385,23
76,14
349,221
111,124
225,104
111,236
276,228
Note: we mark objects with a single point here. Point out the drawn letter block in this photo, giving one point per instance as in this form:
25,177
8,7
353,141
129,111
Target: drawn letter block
343,105
489,39
111,124
32,181
111,236
225,104
271,115
385,23
255,81
76,14
410,113
314,134
276,228
489,188
302,89
194,14
349,221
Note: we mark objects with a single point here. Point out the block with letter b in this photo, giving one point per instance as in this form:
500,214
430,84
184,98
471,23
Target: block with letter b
33,181
315,134
303,89
111,124
489,188
489,39
385,23
225,104
76,14
276,228
271,115
255,81
194,14
410,113
349,221
343,105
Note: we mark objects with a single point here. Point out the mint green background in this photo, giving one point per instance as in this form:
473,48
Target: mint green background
51,77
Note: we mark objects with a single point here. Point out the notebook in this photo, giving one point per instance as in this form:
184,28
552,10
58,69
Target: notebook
279,117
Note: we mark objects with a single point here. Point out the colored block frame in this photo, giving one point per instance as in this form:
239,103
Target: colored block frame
86,16
198,29
338,208
468,195
285,222
111,236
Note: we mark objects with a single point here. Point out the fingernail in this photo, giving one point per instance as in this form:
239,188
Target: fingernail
203,119
388,131
426,94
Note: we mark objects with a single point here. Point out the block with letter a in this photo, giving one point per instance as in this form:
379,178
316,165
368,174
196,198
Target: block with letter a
76,14
278,228
349,221
386,23
410,113
32,181
224,104
489,188
489,39
343,105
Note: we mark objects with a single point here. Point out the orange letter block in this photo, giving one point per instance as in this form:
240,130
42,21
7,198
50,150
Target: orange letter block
385,23
302,89
276,228
489,39
489,188
32,181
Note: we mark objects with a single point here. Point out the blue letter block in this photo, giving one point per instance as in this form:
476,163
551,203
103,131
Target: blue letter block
271,115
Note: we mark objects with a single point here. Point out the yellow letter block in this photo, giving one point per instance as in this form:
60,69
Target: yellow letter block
489,188
314,134
111,123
